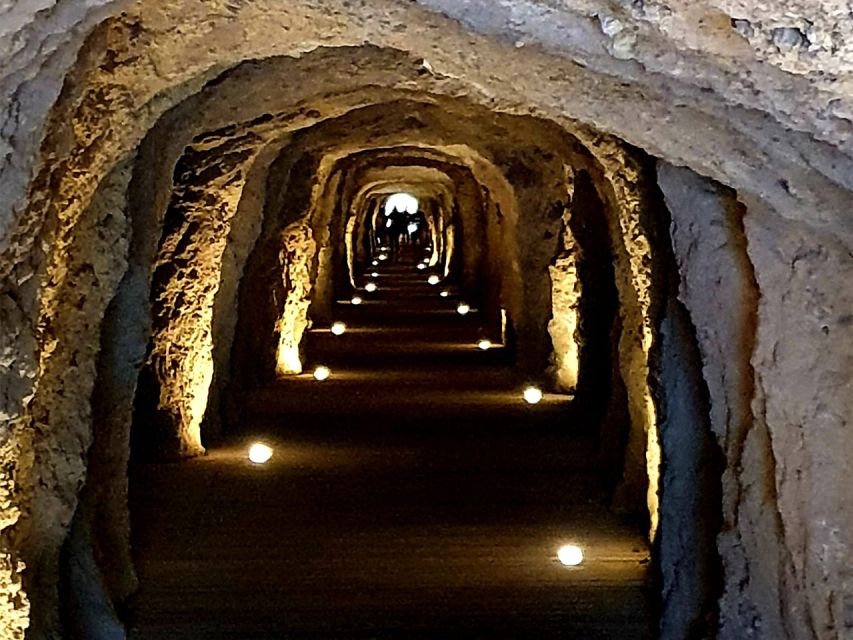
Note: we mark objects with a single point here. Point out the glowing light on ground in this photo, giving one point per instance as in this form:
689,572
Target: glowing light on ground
404,202
375,263
374,274
338,328
444,294
433,279
421,266
570,555
322,373
370,287
463,309
484,344
532,395
259,453
356,300
383,257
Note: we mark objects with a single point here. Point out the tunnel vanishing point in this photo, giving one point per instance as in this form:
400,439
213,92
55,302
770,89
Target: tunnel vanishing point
648,201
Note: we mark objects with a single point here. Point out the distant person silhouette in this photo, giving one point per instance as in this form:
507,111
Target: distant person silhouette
396,226
417,222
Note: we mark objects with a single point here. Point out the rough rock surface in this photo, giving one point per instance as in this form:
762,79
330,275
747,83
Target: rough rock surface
776,584
804,385
186,276
754,95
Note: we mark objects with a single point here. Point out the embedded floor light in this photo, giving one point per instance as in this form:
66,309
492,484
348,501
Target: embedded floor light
375,262
322,373
484,344
421,266
444,294
532,395
570,555
462,309
356,300
338,328
433,279
374,274
370,287
259,453
382,256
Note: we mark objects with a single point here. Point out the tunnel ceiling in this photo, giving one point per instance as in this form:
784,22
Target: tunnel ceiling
712,93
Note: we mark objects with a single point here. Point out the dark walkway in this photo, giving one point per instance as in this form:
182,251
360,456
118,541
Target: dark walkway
412,495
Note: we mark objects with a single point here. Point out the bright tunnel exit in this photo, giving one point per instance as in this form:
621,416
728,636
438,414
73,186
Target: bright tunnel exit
402,202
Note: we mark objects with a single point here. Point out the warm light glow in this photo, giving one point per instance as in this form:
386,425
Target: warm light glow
404,202
462,309
382,256
433,279
444,294
413,226
259,453
570,555
322,373
532,395
370,287
484,344
338,328
288,361
374,274
563,326
375,263
421,266
356,300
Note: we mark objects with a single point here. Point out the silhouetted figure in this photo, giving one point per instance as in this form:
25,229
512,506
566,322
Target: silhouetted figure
396,226
417,228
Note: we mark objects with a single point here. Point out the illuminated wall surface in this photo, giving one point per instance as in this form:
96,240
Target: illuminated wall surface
185,192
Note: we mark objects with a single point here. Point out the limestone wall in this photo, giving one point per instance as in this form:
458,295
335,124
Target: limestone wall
755,96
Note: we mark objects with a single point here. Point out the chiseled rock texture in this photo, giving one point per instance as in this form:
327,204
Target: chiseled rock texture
754,95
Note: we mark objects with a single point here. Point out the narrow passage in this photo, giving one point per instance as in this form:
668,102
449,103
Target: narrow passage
411,494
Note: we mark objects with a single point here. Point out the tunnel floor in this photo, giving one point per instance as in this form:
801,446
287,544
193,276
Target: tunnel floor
413,494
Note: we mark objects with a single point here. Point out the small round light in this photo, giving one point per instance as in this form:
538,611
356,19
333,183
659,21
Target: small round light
532,395
259,453
421,266
462,309
433,279
370,287
356,300
484,344
382,256
338,328
570,555
322,373
444,294
375,262
374,274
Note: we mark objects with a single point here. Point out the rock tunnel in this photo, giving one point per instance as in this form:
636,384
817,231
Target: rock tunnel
645,206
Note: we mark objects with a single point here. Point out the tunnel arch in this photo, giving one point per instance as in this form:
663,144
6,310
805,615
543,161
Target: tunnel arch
206,140
94,168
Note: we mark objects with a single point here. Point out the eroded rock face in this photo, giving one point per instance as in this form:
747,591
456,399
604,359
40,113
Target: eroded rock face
774,499
753,95
804,386
186,276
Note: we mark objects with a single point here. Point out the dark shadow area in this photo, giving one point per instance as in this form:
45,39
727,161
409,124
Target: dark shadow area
600,395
